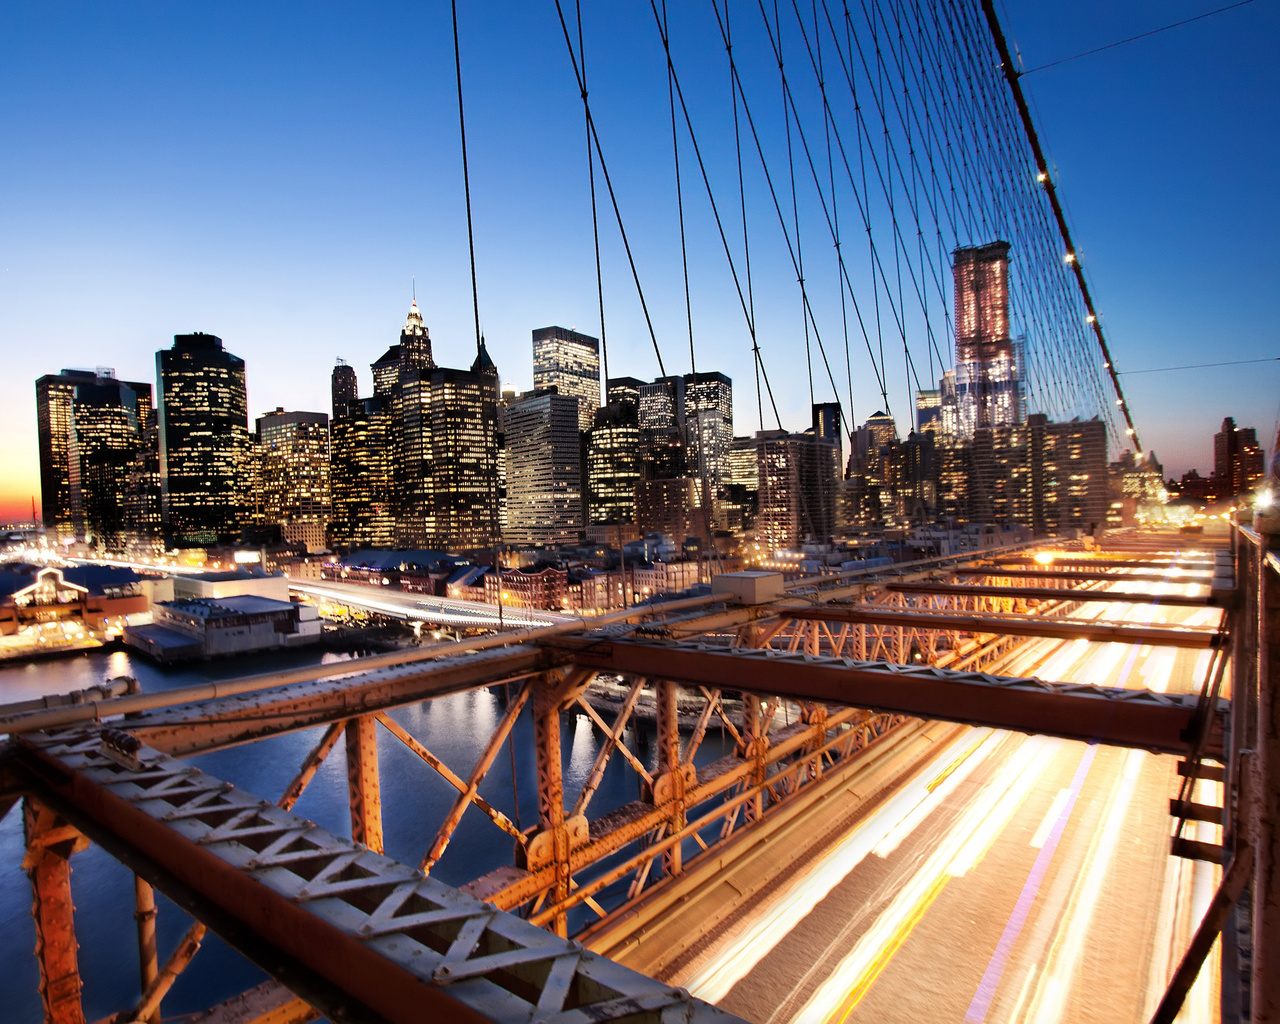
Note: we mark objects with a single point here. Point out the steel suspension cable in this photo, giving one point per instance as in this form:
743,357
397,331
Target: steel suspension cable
466,175
1011,76
773,193
595,220
835,212
742,198
604,169
748,311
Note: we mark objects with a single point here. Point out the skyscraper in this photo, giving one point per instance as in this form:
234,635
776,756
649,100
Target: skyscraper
570,363
1069,480
293,451
360,476
89,427
929,411
798,479
828,425
413,351
431,433
988,363
544,502
1238,462
204,439
662,407
708,418
462,413
623,391
613,464
345,388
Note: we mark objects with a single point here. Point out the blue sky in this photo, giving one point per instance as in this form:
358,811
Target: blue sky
276,175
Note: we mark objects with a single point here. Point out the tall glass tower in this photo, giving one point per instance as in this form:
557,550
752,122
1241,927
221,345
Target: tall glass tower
204,440
988,363
570,363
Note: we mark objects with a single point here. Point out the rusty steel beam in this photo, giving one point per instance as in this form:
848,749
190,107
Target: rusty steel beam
364,787
1265,592
1053,594
148,1007
1010,625
310,765
1162,723
1049,573
534,879
48,867
786,779
398,946
268,1003
216,724
446,773
144,898
467,794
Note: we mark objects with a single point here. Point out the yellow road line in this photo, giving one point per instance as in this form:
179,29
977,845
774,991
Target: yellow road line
873,970
964,755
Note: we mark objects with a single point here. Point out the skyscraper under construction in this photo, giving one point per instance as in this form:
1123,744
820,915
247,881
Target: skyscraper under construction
988,361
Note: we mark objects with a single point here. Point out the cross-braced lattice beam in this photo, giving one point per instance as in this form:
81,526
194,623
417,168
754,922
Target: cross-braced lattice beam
1129,718
406,947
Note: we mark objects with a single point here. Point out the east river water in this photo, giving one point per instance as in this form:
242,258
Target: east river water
414,801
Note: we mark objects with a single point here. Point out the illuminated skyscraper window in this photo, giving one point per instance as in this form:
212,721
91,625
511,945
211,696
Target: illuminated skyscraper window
204,440
89,427
988,363
294,470
570,363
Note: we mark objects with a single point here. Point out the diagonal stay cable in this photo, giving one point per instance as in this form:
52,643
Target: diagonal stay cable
773,193
613,198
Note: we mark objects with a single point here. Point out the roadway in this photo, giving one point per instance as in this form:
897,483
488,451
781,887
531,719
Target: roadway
1014,878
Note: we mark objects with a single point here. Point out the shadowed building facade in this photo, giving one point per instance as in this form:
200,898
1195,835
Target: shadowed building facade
544,469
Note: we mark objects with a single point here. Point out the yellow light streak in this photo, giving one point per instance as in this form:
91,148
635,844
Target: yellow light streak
868,977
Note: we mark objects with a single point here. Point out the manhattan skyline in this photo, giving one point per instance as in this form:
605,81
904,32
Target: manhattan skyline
260,178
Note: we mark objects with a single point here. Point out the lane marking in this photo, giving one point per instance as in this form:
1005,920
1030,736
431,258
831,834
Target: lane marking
853,975
713,980
1013,927
1051,816
864,983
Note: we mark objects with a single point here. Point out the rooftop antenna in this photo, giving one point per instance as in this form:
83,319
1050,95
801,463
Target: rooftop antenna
413,283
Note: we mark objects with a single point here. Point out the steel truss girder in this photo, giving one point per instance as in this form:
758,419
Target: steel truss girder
1025,625
1050,573
214,724
1193,564
510,890
407,947
1054,594
1163,723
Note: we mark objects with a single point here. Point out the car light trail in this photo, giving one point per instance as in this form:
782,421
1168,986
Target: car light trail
849,982
737,958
